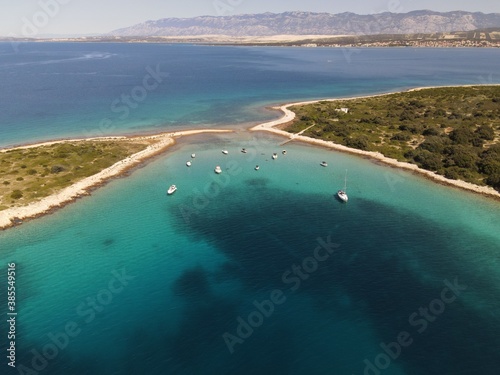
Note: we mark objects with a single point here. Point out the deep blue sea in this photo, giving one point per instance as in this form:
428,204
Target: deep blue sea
247,272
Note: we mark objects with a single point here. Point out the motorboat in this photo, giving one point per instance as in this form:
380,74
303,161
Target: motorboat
225,152
324,164
257,167
193,155
283,152
275,156
218,169
172,189
244,150
188,163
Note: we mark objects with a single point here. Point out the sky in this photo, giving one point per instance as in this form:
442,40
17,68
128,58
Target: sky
32,18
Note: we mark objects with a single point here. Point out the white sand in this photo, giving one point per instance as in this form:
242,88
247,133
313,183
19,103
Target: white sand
82,187
290,116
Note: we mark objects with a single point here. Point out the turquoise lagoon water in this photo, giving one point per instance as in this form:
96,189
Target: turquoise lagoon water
150,284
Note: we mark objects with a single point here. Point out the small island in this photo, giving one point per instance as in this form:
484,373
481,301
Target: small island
450,134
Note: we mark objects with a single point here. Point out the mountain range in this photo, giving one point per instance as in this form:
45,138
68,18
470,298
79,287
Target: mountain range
307,23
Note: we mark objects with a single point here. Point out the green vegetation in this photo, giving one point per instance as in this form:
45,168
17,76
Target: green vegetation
28,175
454,131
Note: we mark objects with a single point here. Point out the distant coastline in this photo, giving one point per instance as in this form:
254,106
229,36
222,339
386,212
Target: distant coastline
16,215
306,41
289,116
416,28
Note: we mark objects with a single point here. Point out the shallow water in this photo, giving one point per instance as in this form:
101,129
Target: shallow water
150,283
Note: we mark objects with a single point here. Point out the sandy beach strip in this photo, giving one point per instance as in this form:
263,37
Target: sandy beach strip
16,215
290,116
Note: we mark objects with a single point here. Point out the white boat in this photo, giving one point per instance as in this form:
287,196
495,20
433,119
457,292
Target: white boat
225,152
257,167
324,164
342,193
172,189
188,163
193,155
218,170
244,150
283,152
275,156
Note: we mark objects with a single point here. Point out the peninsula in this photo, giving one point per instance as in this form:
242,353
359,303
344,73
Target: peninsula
39,178
449,134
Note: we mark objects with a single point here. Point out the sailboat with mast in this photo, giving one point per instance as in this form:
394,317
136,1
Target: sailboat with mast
342,193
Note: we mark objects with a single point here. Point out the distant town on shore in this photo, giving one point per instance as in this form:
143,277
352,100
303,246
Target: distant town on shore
305,29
